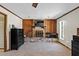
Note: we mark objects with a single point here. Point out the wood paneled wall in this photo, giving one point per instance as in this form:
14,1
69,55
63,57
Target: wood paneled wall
50,25
53,25
27,26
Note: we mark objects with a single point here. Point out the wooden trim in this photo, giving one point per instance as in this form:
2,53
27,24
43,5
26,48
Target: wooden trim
68,12
1,48
2,13
64,45
10,11
5,37
5,28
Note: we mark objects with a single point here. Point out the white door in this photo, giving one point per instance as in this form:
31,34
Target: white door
1,31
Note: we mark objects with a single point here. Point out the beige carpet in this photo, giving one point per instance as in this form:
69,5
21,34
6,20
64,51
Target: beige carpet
39,48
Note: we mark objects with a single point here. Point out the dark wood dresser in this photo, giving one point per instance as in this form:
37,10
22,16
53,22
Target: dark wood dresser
75,45
17,38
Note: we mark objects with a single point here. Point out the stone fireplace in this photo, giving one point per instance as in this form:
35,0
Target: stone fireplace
38,32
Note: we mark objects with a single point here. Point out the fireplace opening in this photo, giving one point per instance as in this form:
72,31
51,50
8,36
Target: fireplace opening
38,33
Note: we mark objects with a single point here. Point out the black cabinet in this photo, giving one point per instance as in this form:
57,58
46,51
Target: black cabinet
75,46
17,38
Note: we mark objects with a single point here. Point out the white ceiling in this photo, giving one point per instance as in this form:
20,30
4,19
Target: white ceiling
43,10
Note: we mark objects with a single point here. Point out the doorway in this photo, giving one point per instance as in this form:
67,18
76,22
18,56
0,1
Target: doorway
3,37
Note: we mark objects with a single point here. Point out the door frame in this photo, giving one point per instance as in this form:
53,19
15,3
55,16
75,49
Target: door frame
5,34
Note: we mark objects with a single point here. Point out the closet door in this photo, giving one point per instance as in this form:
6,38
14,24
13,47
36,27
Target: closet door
1,31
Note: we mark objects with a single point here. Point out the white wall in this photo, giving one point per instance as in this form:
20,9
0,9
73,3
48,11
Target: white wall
71,23
11,19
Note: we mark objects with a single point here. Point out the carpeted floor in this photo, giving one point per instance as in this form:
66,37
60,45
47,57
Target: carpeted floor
39,48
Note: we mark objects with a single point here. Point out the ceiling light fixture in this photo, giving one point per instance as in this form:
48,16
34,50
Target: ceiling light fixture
34,5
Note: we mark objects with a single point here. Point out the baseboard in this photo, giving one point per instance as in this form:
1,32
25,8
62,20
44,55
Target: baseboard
1,49
64,45
8,50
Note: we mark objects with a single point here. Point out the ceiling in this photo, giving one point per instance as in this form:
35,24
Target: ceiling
43,10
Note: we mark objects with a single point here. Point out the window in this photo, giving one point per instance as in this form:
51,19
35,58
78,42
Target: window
62,30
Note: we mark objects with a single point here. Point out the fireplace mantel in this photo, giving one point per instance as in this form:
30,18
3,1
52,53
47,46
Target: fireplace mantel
38,28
